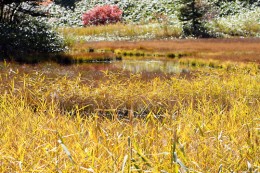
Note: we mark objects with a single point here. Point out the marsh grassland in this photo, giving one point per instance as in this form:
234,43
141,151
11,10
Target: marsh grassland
94,118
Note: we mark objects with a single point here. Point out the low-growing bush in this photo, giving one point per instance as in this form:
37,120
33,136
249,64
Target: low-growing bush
246,23
27,40
101,15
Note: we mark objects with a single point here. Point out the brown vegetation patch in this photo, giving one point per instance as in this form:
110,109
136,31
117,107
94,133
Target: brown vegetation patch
243,50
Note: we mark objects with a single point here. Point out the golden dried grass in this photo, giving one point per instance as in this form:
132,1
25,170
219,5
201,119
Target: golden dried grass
52,122
123,30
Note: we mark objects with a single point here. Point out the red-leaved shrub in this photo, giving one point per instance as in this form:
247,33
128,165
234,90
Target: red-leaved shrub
102,15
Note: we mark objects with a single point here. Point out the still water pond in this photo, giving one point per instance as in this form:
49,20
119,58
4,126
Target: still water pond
152,66
148,69
138,66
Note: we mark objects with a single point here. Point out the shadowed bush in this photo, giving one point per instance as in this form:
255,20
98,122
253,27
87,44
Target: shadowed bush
29,41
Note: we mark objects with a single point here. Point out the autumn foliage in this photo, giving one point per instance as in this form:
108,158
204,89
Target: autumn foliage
101,15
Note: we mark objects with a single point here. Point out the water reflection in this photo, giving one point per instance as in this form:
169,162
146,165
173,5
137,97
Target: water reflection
138,66
149,68
92,73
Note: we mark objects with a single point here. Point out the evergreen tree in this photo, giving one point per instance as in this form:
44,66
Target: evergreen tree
68,4
191,13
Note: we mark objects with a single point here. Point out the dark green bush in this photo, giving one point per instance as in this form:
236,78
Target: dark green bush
30,40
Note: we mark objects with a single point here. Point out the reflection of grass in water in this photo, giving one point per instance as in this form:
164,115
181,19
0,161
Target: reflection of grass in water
86,57
137,66
206,122
87,54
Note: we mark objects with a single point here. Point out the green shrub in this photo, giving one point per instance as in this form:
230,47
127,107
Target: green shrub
20,42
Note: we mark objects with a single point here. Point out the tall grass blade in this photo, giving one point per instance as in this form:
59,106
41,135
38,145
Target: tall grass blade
249,166
124,162
65,149
87,169
177,160
220,168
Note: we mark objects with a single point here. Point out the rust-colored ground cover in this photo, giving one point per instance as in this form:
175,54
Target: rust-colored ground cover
239,49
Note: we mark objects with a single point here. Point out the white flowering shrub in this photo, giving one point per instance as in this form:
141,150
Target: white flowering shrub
246,23
134,11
